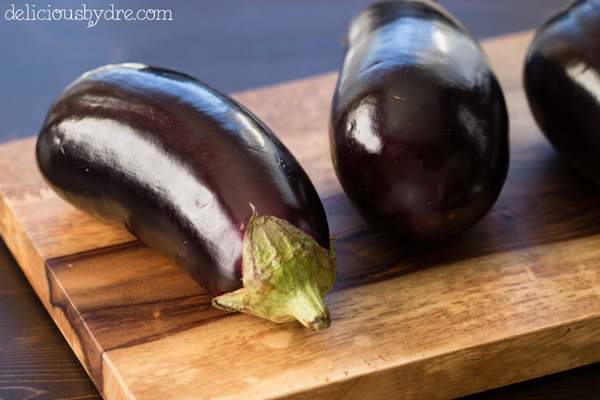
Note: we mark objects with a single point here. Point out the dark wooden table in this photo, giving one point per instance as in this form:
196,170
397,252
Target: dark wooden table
235,46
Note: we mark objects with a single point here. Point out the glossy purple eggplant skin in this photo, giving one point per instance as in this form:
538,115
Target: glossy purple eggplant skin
562,82
419,127
175,162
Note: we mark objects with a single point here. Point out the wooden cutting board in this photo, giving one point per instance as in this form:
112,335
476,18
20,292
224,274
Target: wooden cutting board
516,297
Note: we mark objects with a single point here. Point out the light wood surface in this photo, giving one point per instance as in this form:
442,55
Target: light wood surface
516,297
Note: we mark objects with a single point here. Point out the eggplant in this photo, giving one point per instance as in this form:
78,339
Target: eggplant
195,176
562,82
419,127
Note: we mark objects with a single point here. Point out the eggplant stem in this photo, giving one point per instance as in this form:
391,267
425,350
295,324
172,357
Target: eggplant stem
286,274
308,307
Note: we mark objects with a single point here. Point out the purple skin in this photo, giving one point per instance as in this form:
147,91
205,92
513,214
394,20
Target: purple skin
175,162
419,127
562,83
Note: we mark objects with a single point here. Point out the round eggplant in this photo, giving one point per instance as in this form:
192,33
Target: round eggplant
562,82
188,170
419,127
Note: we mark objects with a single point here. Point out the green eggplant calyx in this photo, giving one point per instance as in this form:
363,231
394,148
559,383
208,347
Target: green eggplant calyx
286,274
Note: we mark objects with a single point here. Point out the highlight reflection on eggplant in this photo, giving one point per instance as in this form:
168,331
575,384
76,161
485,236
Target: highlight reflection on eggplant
419,127
197,177
562,83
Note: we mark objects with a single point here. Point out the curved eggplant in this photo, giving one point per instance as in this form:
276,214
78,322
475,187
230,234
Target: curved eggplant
419,127
562,82
187,169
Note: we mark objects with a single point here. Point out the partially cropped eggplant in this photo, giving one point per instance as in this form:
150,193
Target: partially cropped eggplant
197,177
419,127
562,83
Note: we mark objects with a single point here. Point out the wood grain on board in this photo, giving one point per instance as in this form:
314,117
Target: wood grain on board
516,297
